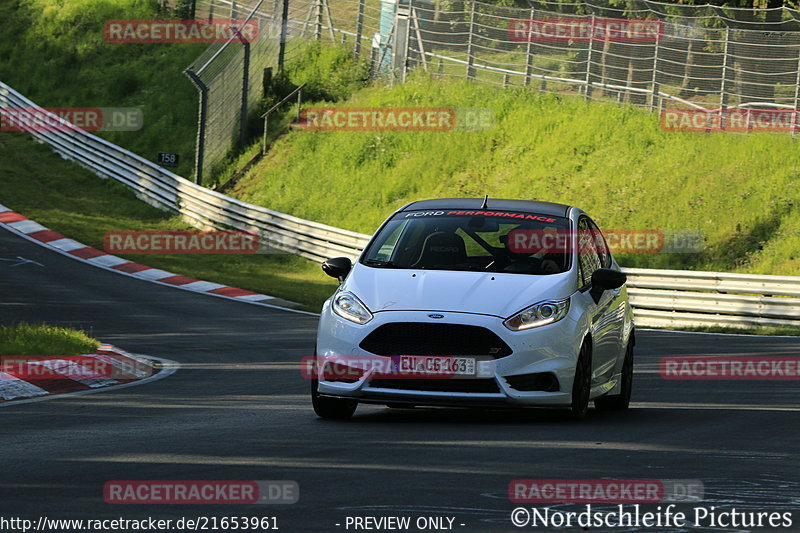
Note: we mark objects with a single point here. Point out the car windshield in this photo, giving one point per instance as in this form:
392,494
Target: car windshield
466,240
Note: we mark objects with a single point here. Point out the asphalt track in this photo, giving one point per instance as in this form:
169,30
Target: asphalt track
238,409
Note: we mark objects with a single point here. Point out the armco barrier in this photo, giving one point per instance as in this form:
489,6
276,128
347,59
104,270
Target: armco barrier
683,298
200,207
661,298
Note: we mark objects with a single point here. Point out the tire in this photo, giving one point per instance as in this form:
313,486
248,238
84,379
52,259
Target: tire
331,408
582,384
621,401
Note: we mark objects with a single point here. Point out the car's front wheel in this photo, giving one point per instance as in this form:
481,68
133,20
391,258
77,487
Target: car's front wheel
582,384
331,408
621,401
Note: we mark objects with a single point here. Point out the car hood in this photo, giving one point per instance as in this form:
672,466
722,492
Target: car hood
502,295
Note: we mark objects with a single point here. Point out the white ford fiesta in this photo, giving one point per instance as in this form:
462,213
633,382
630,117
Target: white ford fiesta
477,303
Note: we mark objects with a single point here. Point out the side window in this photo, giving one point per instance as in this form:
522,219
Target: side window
600,244
588,260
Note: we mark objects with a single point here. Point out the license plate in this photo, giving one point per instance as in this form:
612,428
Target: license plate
433,365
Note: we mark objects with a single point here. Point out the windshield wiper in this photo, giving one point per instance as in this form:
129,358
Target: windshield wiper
380,263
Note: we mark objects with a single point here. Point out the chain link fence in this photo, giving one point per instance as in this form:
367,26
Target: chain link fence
231,77
697,56
642,52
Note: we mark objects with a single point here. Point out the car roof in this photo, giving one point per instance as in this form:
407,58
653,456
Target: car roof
492,204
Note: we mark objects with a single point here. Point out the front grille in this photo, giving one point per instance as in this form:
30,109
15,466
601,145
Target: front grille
485,386
421,338
543,381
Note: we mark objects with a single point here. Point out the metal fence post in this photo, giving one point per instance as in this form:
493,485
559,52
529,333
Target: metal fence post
359,28
604,65
796,98
654,85
299,101
233,10
723,97
245,84
629,82
588,90
327,7
201,126
418,34
284,27
529,52
318,23
470,58
402,32
264,138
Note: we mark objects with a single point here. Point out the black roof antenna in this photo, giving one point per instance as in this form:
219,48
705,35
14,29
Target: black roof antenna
485,201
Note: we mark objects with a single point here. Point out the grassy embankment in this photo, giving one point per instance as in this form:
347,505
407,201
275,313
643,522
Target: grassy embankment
614,161
41,339
55,53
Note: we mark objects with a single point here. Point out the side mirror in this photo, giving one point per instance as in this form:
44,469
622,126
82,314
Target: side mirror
604,279
337,267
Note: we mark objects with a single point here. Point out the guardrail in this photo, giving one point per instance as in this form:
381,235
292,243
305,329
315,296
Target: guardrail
200,207
661,298
683,298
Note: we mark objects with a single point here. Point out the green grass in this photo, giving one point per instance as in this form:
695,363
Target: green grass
70,200
40,339
54,52
614,161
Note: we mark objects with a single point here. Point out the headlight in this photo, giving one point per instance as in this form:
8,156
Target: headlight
347,306
539,314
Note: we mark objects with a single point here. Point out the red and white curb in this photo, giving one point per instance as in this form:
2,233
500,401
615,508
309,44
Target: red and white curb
39,234
60,377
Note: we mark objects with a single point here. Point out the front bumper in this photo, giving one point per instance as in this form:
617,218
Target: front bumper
547,350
